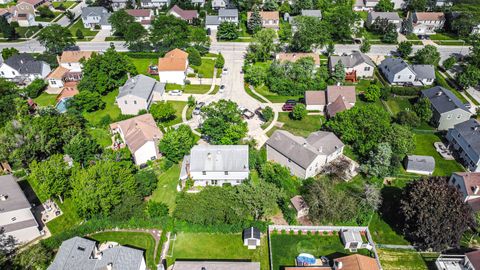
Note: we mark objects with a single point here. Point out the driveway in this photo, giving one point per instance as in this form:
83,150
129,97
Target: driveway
102,35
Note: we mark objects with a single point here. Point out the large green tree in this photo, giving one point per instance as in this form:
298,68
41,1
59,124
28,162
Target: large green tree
168,33
428,55
32,258
136,37
120,20
227,31
162,111
55,38
223,123
177,142
87,101
311,33
263,47
50,177
259,200
384,6
423,108
8,92
254,23
379,161
82,148
404,49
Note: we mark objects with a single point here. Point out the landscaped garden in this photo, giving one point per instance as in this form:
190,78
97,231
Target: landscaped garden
304,127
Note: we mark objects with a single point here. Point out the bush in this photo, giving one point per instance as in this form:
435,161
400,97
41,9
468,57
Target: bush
267,113
299,112
405,91
194,57
409,118
162,111
35,88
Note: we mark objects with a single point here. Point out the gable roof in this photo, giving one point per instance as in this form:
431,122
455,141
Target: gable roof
339,105
298,203
349,61
94,11
443,100
394,65
429,16
138,130
358,262
471,181
212,20
174,60
228,12
74,56
25,64
392,16
293,57
470,132
424,71
58,73
315,98
16,199
219,158
139,12
266,15
420,163
474,258
141,86
184,14
70,90
312,13
251,232
32,2
334,91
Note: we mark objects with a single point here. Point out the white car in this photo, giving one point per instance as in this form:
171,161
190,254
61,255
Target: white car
222,88
225,71
175,93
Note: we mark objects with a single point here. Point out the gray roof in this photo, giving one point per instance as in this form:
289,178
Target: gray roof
80,254
424,71
212,20
219,158
251,232
303,151
104,19
25,64
93,11
393,16
352,60
141,86
228,12
443,100
470,132
312,13
420,163
16,199
394,65
215,265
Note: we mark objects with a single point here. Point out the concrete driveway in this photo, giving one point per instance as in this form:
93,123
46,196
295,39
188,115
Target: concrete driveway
102,35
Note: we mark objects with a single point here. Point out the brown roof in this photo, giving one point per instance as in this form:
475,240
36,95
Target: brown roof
358,262
138,130
293,57
139,12
339,105
68,91
471,180
430,16
174,60
266,15
474,258
315,98
74,56
474,204
185,14
58,73
333,91
299,203
32,2
3,11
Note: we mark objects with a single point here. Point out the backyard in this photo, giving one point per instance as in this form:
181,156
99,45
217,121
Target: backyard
166,191
101,136
110,109
302,127
142,64
206,246
46,100
399,259
68,219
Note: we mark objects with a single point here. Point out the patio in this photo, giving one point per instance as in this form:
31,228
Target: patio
443,150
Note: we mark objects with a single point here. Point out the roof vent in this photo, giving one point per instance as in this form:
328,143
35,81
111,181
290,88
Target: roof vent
439,93
3,197
209,155
203,268
304,144
81,248
109,266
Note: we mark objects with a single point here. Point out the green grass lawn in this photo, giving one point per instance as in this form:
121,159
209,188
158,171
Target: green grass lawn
66,4
46,100
44,19
166,191
274,97
26,32
412,36
443,36
67,220
383,233
86,31
101,136
396,259
371,36
206,69
216,247
178,106
302,127
398,104
189,88
142,64
110,109
138,240
285,248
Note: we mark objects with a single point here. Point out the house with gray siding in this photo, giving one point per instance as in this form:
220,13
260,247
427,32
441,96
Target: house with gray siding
224,15
447,109
397,71
304,157
391,17
138,93
464,140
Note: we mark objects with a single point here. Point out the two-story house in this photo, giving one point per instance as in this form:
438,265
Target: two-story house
121,4
173,67
69,68
216,165
334,100
426,23
96,18
270,19
186,15
357,65
368,5
469,186
142,16
391,17
447,109
224,15
23,14
464,139
304,157
16,218
138,93
397,71
23,68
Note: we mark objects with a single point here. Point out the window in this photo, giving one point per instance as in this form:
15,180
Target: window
125,102
226,172
454,180
367,69
214,182
135,102
14,218
1,72
459,116
204,172
153,158
449,116
398,77
53,82
410,76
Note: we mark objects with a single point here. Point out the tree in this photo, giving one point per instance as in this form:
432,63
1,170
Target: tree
340,21
227,31
45,12
191,101
255,75
79,34
294,78
449,62
365,47
199,38
417,5
82,148
423,109
298,112
407,25
120,20
379,161
298,5
372,93
194,57
391,34
224,123
270,5
401,140
56,38
220,61
267,113
146,181
87,101
168,33
311,32
431,208
254,23
70,15
470,77
404,49
156,209
281,177
408,118
259,200
285,8
136,37
176,143
162,111
7,245
9,52
33,257
463,23
330,49
7,29
35,88
50,177
263,47
338,74
384,6
428,55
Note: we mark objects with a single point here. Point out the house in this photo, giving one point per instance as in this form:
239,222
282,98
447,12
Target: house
224,15
270,19
219,4
420,164
121,4
71,60
339,99
355,262
82,253
397,71
391,17
186,15
251,237
317,13
469,185
304,157
352,239
293,57
96,18
447,109
23,67
468,261
216,165
6,14
426,23
154,3
69,68
315,100
34,3
141,135
300,206
475,30
368,5
16,218
142,16
56,79
138,93
198,3
215,265
443,3
424,74
172,68
357,65
23,14
464,139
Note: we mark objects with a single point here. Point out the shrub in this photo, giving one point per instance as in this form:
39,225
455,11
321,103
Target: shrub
299,112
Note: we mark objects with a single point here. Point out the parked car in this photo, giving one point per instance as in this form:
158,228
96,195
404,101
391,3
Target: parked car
248,114
225,71
222,88
291,101
288,107
198,108
468,105
175,92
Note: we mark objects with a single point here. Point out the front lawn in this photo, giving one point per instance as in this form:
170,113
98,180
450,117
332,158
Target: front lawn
399,259
189,88
138,240
274,97
65,4
46,100
206,246
86,31
67,220
412,36
26,32
166,191
206,69
45,19
111,109
443,36
302,127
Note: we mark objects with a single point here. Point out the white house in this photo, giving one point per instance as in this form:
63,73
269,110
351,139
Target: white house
303,157
367,5
356,65
69,68
391,17
141,135
224,15
216,165
121,4
23,14
426,23
142,16
172,68
16,217
96,17
138,93
23,68
469,185
397,71
154,3
218,4
82,253
251,237
464,139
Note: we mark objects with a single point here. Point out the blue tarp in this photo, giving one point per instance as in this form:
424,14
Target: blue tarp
62,105
305,259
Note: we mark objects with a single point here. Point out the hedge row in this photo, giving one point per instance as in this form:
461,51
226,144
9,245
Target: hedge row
181,226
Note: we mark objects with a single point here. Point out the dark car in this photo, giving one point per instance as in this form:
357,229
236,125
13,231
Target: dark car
198,108
288,107
248,114
291,101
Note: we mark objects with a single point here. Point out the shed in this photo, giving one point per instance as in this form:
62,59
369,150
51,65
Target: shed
420,164
251,237
352,239
300,206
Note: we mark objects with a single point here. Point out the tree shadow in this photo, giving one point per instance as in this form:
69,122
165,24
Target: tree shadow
390,209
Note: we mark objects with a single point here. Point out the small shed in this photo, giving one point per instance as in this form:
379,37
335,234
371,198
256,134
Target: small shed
352,239
420,164
300,206
251,237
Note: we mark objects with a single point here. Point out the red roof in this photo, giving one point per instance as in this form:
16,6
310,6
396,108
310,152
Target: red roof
139,12
474,258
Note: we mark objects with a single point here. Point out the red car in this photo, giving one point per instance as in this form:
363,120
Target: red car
288,107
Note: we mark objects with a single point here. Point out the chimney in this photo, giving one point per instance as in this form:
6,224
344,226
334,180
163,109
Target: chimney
209,155
100,255
439,93
3,197
110,266
304,144
128,75
320,149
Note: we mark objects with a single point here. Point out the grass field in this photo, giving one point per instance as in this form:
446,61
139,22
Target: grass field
166,191
207,246
101,136
142,64
395,259
302,127
273,97
46,100
67,220
79,25
137,240
383,233
110,109
206,69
